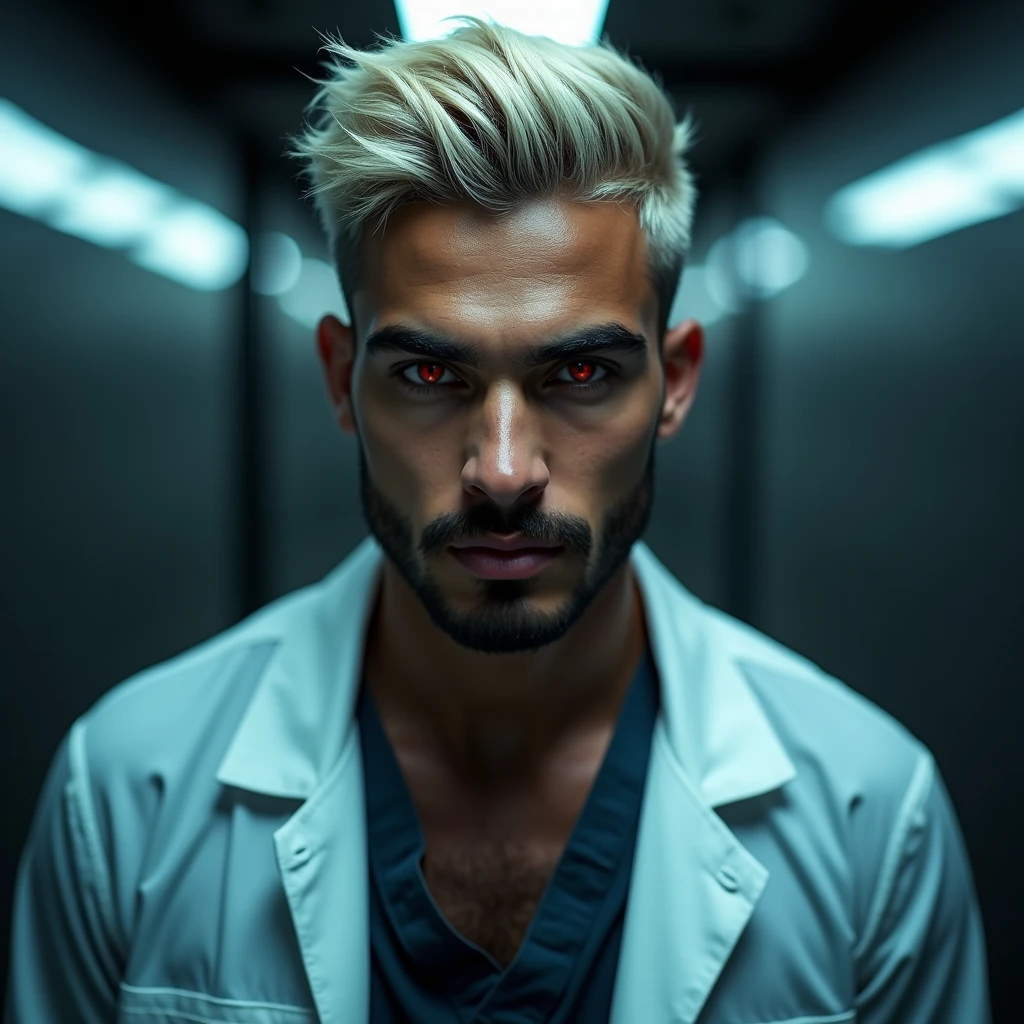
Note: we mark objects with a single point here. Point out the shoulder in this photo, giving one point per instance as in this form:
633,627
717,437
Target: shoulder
140,766
167,726
863,780
825,725
164,709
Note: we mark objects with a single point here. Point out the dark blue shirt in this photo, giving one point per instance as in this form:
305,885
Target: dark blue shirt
423,971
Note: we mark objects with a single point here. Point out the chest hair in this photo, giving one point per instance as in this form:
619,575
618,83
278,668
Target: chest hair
489,890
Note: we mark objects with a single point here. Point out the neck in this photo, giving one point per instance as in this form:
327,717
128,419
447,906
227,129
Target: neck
500,717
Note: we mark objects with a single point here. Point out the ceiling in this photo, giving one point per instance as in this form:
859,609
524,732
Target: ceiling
739,66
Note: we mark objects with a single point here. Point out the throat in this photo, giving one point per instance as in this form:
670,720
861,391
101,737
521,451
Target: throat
499,755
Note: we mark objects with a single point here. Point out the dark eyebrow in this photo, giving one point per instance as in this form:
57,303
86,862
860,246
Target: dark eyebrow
420,342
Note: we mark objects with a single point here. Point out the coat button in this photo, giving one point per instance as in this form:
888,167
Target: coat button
727,879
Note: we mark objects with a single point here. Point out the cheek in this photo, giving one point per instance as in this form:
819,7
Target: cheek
607,460
397,431
406,464
625,457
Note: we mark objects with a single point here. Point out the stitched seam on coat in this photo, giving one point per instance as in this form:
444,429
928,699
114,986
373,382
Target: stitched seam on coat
80,793
838,1018
177,1015
200,997
917,792
174,1015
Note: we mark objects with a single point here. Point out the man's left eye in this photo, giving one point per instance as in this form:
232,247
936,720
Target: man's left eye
587,380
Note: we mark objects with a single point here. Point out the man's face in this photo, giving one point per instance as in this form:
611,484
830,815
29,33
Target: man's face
500,446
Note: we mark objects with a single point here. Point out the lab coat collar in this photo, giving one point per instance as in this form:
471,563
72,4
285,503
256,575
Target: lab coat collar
298,720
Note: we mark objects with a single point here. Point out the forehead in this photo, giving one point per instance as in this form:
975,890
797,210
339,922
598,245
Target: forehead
548,262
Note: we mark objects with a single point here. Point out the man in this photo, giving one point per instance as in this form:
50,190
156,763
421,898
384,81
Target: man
500,765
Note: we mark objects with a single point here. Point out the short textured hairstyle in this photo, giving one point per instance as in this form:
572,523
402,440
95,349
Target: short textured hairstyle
495,116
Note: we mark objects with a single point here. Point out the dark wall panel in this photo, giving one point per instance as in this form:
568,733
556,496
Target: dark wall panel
690,521
116,417
311,472
891,549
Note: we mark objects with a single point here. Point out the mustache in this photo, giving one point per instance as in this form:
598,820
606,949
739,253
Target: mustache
543,528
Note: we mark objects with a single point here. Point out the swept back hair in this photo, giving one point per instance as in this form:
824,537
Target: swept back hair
495,116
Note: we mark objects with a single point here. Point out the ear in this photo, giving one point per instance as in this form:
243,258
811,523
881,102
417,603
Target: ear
683,357
335,344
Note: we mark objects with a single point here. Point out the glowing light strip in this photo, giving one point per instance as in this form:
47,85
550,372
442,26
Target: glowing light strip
946,187
52,179
576,22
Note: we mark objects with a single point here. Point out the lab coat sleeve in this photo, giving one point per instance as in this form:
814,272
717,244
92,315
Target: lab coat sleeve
64,965
921,958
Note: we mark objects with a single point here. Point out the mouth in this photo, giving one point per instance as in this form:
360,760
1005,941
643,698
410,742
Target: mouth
491,563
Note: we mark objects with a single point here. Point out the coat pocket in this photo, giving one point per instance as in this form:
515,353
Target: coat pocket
176,1006
847,1017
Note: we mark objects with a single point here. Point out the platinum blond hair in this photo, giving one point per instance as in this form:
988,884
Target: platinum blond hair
495,116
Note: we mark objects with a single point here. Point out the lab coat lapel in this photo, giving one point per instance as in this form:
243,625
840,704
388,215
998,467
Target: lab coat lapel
692,891
321,854
299,738
693,886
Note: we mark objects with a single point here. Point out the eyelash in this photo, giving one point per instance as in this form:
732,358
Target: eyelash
573,386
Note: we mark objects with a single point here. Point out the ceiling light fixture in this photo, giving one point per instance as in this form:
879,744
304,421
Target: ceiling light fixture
277,263
943,188
66,186
315,293
576,22
758,259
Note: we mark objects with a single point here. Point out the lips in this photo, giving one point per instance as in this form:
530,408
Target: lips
515,542
517,564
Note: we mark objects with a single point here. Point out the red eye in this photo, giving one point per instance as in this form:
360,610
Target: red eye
581,371
585,375
429,373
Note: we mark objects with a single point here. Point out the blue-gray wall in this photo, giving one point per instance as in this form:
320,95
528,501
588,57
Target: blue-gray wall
116,416
890,539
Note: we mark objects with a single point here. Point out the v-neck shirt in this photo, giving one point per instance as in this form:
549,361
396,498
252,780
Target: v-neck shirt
423,971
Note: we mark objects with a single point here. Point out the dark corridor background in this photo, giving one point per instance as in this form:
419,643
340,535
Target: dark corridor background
849,481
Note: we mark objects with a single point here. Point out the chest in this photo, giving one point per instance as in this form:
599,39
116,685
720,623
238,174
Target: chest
487,865
489,890
490,855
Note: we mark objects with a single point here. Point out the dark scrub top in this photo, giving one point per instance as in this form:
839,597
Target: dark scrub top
422,971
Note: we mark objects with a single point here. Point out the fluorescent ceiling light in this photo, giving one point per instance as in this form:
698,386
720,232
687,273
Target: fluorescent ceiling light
315,293
277,263
720,276
768,256
943,188
48,177
38,167
998,152
576,22
195,245
116,206
758,259
693,300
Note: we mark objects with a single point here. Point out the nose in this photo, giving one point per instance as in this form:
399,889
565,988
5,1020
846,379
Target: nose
504,463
